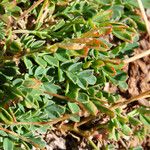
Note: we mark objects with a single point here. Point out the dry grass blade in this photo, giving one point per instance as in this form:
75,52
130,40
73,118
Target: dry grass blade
138,56
132,99
31,8
144,16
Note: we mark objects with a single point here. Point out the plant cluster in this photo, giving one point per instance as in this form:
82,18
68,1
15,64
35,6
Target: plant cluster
55,59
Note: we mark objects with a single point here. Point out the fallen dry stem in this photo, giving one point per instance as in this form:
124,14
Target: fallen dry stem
132,99
54,121
144,16
31,8
136,57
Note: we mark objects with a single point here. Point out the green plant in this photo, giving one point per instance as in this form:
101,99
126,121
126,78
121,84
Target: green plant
56,57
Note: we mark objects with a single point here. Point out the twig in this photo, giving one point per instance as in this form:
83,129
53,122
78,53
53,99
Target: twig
144,16
31,8
138,56
21,137
132,99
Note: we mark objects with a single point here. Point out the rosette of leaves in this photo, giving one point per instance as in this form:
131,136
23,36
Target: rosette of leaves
56,68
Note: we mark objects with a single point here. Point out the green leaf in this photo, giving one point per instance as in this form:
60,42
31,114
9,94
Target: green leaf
38,141
134,121
40,61
82,83
62,56
90,106
145,120
75,118
8,144
2,79
15,47
72,77
102,16
27,62
51,60
122,76
123,85
83,97
5,116
37,44
75,67
126,130
104,109
9,71
73,107
51,87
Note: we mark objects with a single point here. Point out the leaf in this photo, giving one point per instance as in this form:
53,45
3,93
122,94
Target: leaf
37,44
145,2
51,60
123,85
102,16
104,109
88,76
51,87
97,64
55,111
62,56
27,62
145,120
5,116
76,67
122,76
15,47
90,106
8,144
126,130
40,61
39,142
57,26
9,71
61,75
75,118
72,77
82,97
2,31
134,121
85,73
2,79
73,107
82,83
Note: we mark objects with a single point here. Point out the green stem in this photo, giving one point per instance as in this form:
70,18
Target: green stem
93,145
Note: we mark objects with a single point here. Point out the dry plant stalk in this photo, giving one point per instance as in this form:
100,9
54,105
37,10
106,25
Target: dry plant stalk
144,16
132,99
136,57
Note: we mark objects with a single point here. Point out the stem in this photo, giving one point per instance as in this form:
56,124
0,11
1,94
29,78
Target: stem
138,56
21,137
44,123
132,99
66,98
22,31
31,8
42,15
93,145
144,16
